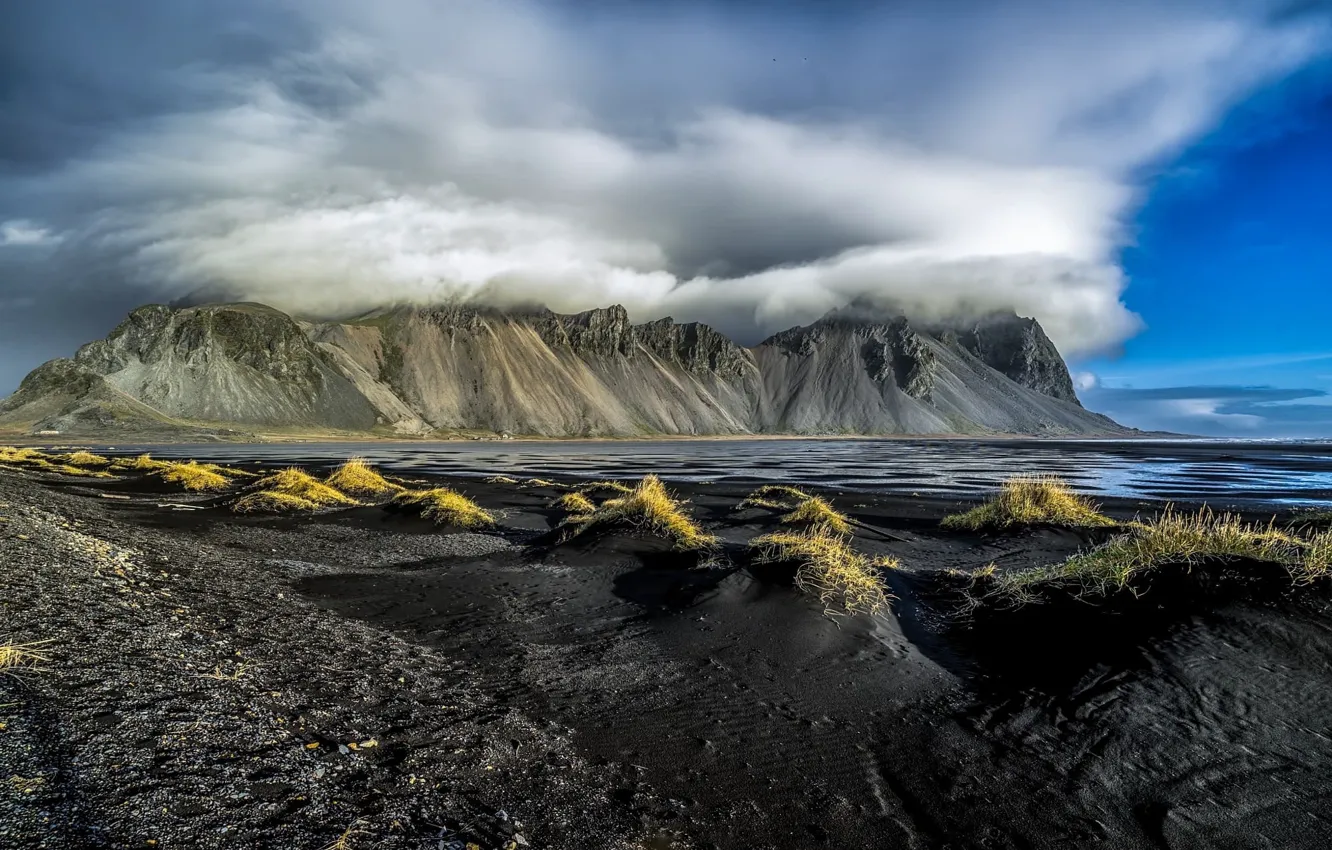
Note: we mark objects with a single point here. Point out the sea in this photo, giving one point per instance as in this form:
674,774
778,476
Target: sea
1284,474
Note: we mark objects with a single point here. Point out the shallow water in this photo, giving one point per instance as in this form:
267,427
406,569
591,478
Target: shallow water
1223,473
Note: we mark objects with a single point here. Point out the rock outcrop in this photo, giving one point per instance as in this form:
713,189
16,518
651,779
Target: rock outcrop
461,368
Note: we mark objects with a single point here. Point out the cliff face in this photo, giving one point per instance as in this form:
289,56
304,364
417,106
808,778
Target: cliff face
418,371
235,363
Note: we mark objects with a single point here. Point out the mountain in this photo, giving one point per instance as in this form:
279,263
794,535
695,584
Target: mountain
419,371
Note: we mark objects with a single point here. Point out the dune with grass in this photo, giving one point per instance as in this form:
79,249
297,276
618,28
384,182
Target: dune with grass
358,478
1174,540
446,507
195,477
804,509
1029,501
575,504
294,481
648,507
828,567
272,502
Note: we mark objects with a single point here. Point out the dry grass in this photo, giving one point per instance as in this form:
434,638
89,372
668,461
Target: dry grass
648,506
828,568
293,481
229,471
195,477
816,512
1178,540
142,463
34,459
447,507
13,454
18,657
1031,500
83,459
805,510
272,502
539,482
778,497
617,488
500,479
575,504
356,476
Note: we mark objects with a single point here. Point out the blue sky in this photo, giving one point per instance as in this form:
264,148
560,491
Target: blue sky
1147,179
1231,271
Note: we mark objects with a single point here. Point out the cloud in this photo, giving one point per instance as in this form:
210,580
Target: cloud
25,234
751,168
1083,381
1219,411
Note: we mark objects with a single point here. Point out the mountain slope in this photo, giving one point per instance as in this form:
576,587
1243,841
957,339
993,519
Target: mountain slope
422,370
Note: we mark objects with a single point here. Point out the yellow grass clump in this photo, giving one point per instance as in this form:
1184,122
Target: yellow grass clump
15,657
1180,540
83,459
34,459
539,482
297,482
774,496
229,471
447,507
272,502
14,455
195,477
816,512
1031,500
575,503
616,487
828,568
805,510
358,477
500,479
651,507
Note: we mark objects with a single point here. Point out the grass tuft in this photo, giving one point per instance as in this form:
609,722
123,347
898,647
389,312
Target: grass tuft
23,456
539,482
272,502
1177,540
829,568
816,512
778,497
617,488
805,510
83,459
1031,500
297,482
651,507
500,479
358,477
196,477
16,657
575,504
447,507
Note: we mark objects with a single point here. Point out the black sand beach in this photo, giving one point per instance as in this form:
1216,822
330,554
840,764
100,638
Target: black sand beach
362,676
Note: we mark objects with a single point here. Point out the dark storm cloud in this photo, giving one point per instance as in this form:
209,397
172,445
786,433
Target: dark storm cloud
750,166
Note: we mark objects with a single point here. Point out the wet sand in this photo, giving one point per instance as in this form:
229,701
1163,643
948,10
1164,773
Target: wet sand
615,693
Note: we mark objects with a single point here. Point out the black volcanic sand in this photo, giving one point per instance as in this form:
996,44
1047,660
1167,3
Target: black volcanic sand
613,693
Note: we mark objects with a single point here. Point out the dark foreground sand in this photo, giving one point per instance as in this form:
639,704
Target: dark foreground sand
210,674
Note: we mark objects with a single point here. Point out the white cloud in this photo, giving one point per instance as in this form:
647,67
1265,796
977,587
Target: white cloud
664,161
1083,381
26,234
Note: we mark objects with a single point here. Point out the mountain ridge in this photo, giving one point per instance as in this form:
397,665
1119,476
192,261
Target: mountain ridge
417,371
